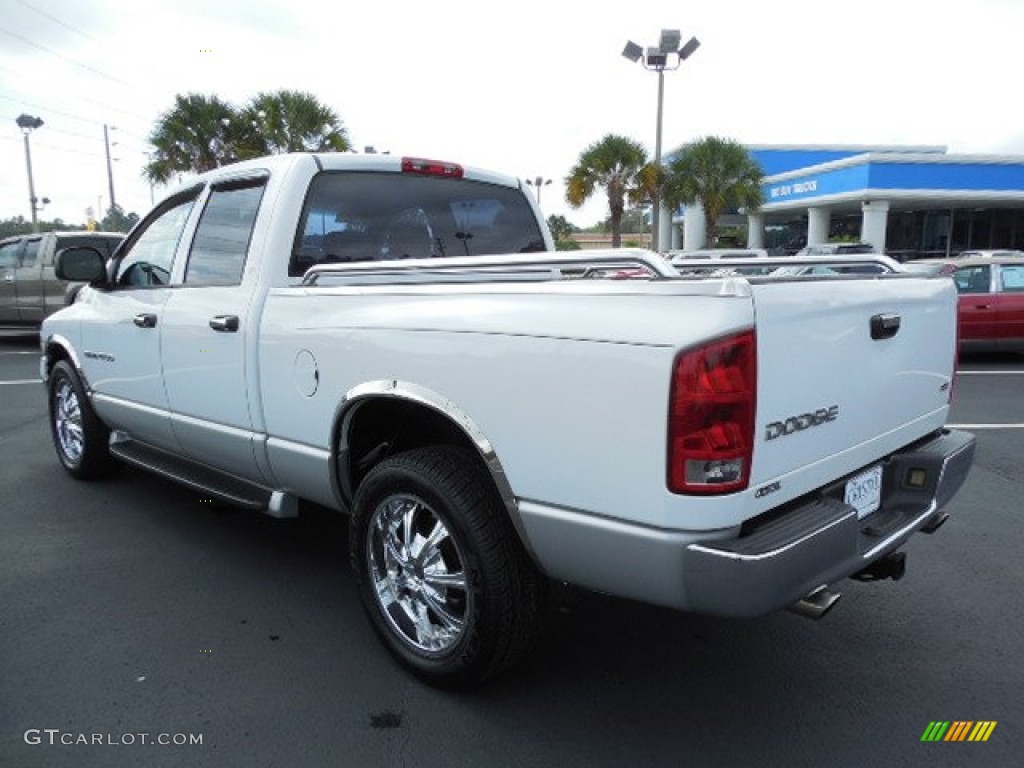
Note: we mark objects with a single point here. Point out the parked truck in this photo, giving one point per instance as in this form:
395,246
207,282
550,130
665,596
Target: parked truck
29,290
395,338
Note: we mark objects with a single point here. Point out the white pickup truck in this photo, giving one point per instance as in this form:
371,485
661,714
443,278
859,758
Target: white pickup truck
330,327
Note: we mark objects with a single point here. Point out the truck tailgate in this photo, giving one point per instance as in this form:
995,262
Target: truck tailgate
849,369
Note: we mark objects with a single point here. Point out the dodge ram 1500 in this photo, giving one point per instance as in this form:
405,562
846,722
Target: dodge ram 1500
394,338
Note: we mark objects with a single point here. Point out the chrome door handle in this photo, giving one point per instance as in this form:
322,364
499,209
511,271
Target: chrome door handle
146,320
8,278
225,323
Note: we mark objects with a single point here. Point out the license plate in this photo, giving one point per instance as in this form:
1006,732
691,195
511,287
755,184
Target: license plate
864,492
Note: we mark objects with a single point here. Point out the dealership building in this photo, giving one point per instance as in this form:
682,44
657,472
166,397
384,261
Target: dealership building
911,201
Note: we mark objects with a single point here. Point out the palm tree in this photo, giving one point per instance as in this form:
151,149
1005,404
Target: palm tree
717,173
290,121
620,166
197,134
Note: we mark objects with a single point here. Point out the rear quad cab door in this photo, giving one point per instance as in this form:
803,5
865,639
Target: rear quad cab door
206,333
29,281
1009,302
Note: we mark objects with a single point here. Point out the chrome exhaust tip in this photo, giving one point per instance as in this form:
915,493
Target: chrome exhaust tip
816,604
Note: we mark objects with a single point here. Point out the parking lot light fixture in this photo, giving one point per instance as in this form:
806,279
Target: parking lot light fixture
666,55
538,182
29,123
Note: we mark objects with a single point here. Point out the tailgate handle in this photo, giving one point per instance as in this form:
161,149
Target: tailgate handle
884,326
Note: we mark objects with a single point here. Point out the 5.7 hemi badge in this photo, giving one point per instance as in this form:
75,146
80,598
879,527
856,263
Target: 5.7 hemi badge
800,423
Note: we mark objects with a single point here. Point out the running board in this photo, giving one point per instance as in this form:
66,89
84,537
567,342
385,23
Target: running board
226,488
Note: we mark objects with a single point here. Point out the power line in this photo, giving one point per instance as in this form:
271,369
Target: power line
53,129
49,109
80,97
16,36
50,127
61,22
78,31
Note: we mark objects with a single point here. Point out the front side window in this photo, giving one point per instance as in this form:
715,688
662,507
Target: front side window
974,279
1012,277
373,216
222,239
148,258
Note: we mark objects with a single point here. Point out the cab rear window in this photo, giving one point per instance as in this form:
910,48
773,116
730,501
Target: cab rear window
352,216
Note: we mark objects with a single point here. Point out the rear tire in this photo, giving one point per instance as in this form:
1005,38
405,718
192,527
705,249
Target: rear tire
80,438
441,572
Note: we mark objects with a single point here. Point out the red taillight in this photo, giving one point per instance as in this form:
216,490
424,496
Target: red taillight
431,167
711,416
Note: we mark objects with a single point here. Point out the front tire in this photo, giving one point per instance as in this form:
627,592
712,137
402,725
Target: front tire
80,438
440,570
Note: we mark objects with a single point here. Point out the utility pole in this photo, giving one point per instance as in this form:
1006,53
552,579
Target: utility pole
110,170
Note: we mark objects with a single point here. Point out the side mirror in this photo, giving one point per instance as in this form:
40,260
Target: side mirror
82,264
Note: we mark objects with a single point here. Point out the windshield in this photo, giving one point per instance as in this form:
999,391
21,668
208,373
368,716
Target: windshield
370,216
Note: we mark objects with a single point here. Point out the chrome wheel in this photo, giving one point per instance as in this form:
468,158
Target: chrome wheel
418,574
68,422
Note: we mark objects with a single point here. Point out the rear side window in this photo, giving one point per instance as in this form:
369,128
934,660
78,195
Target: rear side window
222,239
31,252
371,216
1013,277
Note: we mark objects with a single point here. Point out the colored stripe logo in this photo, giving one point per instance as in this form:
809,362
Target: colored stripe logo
958,730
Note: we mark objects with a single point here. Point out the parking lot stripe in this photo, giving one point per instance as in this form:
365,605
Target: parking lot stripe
985,426
990,373
22,381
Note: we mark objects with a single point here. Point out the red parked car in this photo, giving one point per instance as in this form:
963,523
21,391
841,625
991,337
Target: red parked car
991,298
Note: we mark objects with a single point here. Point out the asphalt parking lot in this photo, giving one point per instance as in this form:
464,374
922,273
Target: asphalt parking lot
132,607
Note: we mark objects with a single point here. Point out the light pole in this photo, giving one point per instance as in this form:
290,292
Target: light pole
110,171
538,182
149,162
28,123
657,59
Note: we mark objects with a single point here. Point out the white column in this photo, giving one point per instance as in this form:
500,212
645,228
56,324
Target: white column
817,225
693,230
755,230
873,222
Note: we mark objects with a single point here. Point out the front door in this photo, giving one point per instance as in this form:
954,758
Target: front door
977,310
9,253
121,342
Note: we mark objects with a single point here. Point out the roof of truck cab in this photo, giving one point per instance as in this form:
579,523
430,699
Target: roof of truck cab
341,161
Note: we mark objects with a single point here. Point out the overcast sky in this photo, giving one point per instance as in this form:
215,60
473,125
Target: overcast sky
519,87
